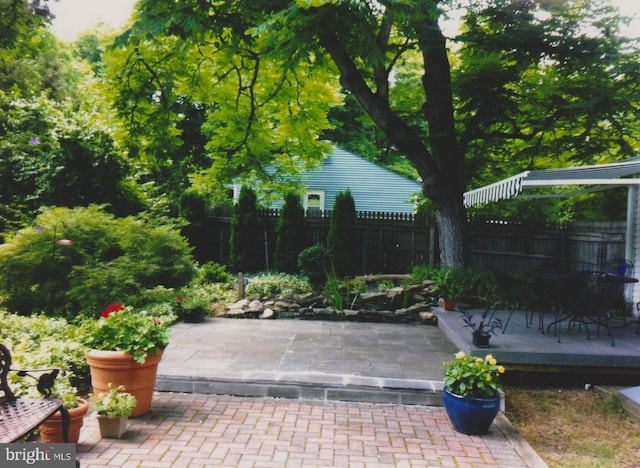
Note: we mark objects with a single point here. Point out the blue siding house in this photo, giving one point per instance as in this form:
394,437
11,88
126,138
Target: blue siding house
373,187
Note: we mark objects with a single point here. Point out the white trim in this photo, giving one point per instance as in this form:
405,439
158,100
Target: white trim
559,182
502,190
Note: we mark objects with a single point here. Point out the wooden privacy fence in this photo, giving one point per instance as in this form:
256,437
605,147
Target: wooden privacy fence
391,242
395,242
519,247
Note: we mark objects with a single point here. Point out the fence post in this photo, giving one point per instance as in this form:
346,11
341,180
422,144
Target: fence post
240,286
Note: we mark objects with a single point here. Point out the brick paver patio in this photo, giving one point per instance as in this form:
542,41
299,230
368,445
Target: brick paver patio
194,430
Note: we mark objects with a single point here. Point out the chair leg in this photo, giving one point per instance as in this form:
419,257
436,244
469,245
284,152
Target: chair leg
64,413
506,324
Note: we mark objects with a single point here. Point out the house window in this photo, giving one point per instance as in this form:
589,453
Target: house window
314,201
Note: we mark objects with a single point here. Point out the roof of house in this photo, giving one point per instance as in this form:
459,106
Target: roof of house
373,187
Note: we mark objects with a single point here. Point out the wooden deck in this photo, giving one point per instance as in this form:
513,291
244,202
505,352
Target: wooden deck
528,349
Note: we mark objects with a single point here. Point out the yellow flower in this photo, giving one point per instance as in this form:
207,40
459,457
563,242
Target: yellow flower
501,369
460,355
488,357
493,362
479,361
488,378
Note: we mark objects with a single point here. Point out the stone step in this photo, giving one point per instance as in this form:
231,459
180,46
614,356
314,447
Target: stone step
313,386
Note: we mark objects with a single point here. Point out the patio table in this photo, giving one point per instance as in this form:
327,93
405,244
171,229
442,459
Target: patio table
572,297
585,298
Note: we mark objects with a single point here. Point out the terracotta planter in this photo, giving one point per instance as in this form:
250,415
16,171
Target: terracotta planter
112,427
51,429
449,304
119,368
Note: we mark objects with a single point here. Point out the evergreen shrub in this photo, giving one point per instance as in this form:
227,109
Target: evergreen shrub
315,263
342,240
245,249
291,234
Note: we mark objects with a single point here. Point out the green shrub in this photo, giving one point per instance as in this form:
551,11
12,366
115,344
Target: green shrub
342,240
212,272
314,263
277,285
245,247
40,342
291,234
422,273
466,283
201,298
106,260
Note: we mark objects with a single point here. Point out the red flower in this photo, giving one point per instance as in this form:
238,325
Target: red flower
111,308
179,298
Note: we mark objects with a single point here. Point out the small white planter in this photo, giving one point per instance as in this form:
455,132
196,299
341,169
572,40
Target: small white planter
112,427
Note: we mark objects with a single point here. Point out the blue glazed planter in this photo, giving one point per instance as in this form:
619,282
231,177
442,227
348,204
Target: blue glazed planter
470,415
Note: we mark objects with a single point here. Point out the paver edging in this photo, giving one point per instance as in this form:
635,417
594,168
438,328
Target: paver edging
529,456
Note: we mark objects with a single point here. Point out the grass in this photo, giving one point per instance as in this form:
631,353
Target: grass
575,428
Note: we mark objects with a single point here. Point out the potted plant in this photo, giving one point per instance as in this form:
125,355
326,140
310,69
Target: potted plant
113,408
481,331
472,392
124,348
193,308
450,283
51,429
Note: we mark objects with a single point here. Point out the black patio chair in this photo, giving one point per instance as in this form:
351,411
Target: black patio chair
514,293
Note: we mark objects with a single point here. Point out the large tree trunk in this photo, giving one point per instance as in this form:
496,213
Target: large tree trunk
436,157
451,223
447,189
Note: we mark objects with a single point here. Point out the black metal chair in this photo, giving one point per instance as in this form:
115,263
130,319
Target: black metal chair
514,293
20,416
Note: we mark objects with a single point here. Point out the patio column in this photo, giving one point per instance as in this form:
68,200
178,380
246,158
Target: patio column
631,239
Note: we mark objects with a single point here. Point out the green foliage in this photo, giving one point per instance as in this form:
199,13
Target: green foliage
342,240
613,404
212,272
110,259
422,273
335,292
186,115
115,402
194,304
467,283
245,249
473,376
40,342
277,285
545,104
121,328
314,263
291,234
53,154
21,18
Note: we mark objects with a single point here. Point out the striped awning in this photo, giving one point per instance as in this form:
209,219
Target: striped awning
595,177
